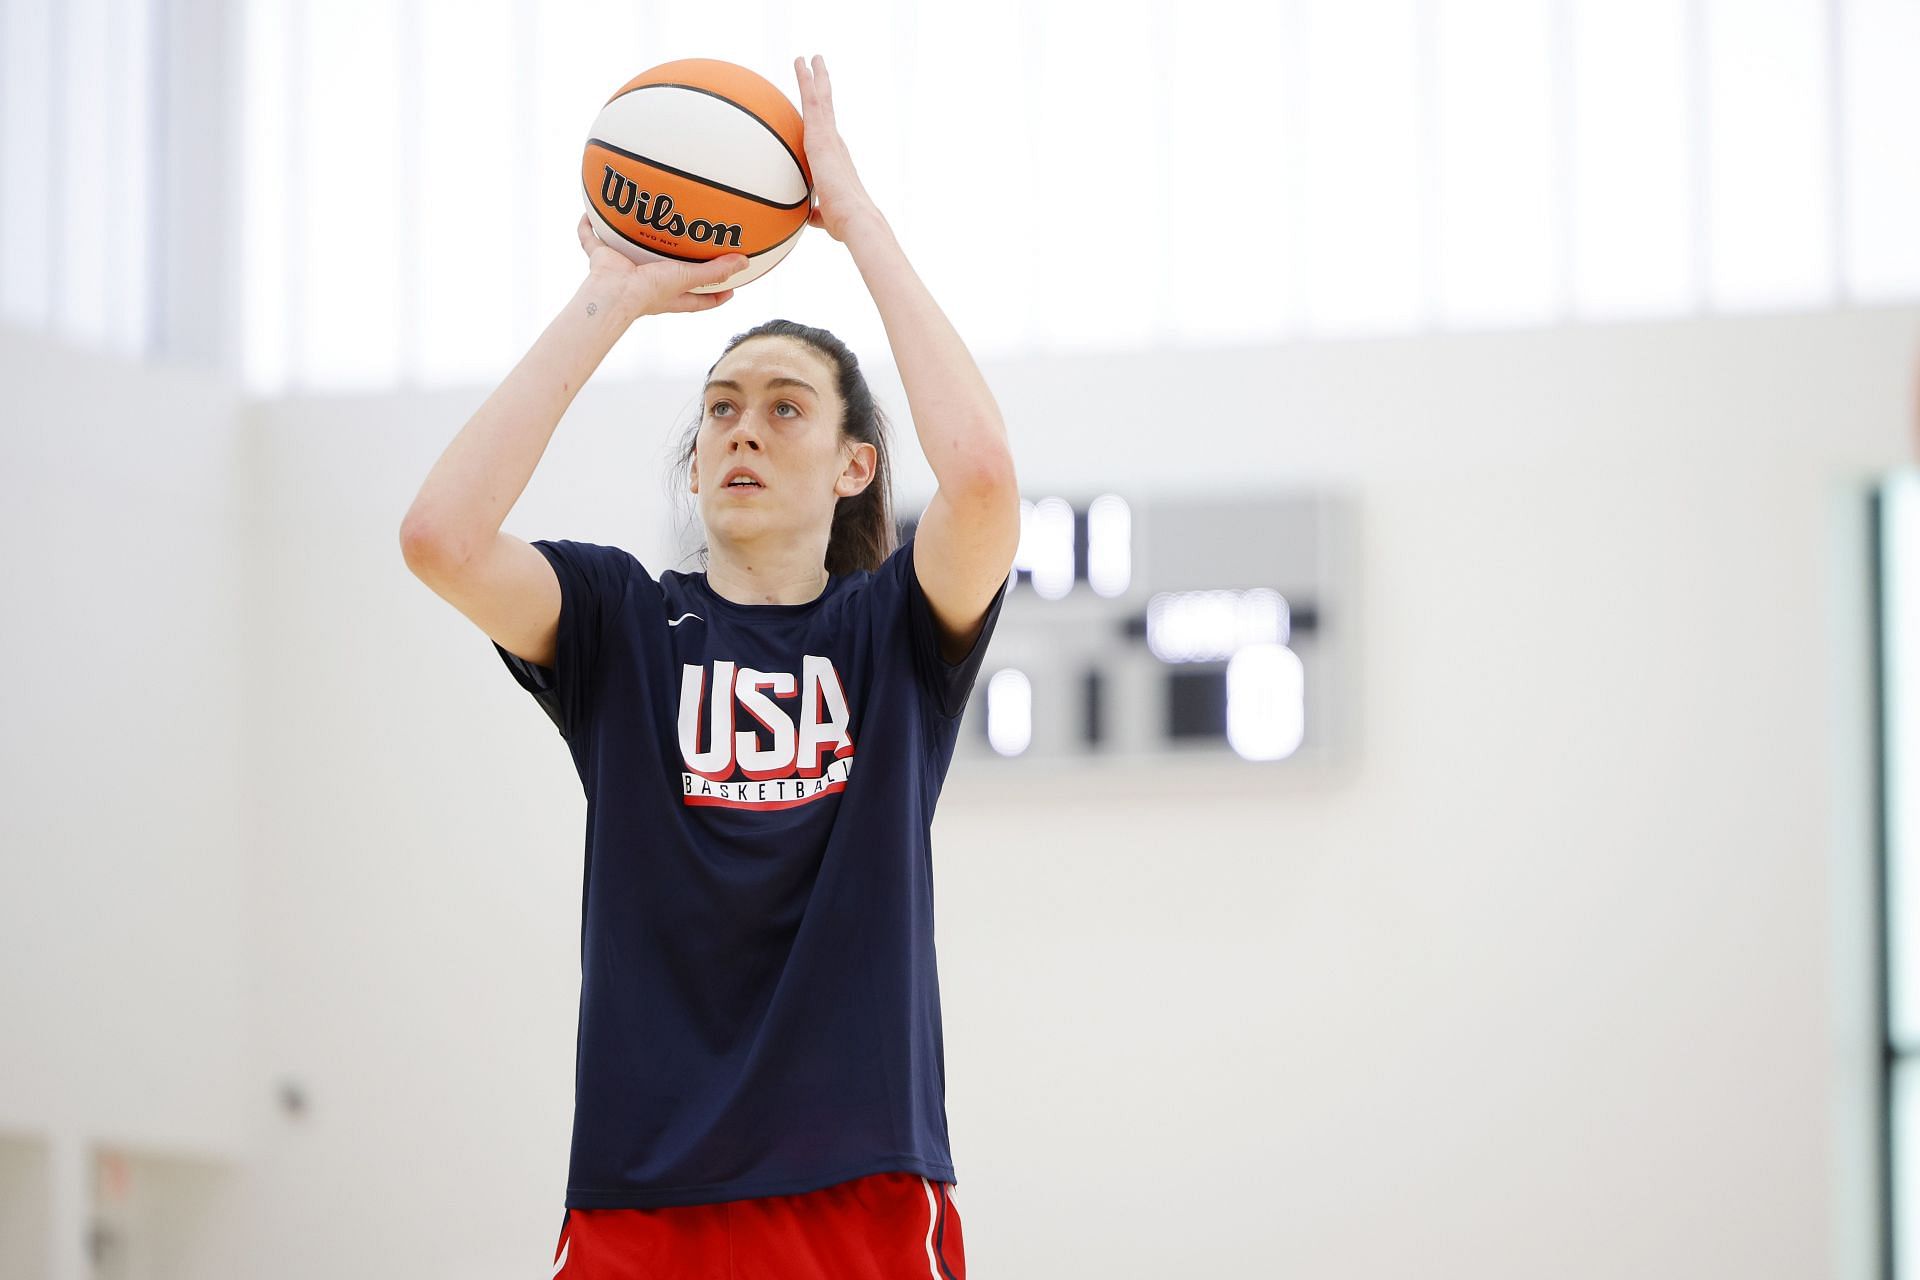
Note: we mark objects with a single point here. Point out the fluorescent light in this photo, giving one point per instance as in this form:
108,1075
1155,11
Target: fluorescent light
1266,702
1052,548
1262,617
1109,545
1208,626
1009,712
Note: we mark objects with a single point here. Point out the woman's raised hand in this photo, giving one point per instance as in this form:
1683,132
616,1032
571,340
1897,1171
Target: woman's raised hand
654,288
839,198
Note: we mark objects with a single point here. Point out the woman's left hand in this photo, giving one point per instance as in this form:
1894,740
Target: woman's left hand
839,199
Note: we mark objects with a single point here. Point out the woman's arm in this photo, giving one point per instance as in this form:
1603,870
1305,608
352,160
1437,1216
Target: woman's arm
482,473
966,539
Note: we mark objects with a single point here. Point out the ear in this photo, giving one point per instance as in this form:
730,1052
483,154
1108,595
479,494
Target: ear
693,474
862,459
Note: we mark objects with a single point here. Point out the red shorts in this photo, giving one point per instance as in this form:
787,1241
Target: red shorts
885,1226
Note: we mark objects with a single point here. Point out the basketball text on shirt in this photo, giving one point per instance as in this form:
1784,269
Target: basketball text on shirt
735,770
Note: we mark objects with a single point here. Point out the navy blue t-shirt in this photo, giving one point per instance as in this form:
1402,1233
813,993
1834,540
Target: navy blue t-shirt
759,1003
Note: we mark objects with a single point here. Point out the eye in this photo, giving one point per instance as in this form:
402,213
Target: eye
788,404
717,406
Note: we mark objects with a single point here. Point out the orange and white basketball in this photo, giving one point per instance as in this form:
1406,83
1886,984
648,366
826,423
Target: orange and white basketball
695,159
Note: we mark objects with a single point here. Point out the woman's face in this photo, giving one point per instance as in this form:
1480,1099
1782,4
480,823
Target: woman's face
769,457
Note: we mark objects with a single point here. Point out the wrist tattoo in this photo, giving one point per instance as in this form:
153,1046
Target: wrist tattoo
593,308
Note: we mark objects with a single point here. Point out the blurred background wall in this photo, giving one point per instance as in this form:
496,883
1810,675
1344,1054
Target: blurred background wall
1569,969
1572,970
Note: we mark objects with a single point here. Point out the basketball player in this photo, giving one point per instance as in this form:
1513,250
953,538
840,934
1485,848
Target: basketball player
760,1073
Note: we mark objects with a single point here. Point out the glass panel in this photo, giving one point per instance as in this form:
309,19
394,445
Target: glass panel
1360,246
1769,210
1632,211
266,303
1098,230
1234,149
1906,1165
88,154
130,157
969,185
1495,126
1900,649
1296,151
1879,108
350,216
464,218
26,159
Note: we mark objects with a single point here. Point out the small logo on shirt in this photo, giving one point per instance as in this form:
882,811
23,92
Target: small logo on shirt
674,622
810,753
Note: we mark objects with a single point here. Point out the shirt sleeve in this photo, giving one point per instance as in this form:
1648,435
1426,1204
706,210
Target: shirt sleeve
948,684
593,582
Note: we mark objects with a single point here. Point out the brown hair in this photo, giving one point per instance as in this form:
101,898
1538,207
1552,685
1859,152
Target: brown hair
863,533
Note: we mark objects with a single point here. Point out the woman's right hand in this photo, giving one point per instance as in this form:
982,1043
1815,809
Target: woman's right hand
653,288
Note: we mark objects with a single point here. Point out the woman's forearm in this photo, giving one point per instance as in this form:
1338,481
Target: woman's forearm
482,473
957,419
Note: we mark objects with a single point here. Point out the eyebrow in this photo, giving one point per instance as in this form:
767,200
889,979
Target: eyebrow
771,382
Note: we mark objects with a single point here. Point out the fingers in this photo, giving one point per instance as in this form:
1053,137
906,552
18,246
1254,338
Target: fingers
699,301
693,275
716,271
816,87
671,284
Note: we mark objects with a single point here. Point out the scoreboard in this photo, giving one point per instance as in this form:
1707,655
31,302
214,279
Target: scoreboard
1171,626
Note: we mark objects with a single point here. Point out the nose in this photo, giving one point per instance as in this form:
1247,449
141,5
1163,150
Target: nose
743,431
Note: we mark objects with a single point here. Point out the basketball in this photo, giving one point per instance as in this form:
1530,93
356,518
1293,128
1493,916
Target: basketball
695,159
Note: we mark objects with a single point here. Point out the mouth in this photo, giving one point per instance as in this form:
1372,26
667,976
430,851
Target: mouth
741,480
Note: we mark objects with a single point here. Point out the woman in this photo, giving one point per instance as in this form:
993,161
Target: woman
760,1079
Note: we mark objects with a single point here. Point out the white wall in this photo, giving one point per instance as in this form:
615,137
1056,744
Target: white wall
26,1211
1559,982
122,843
1568,976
